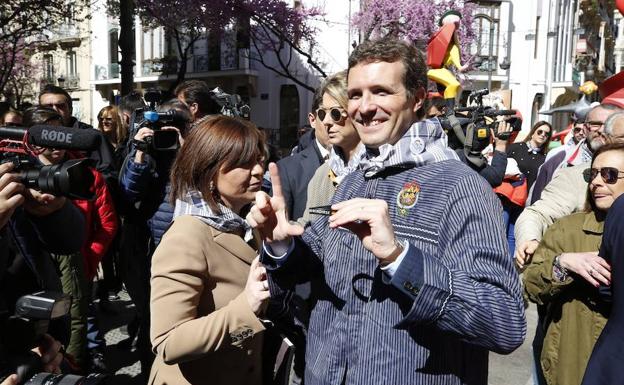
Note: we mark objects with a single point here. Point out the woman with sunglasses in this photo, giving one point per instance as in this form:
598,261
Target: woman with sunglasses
528,155
567,270
346,149
109,122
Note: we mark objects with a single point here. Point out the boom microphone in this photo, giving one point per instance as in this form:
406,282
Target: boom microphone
66,138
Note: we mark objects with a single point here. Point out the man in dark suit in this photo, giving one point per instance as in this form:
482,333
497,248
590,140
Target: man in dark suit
297,170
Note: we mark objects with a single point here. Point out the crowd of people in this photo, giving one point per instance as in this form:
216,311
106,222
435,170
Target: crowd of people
380,251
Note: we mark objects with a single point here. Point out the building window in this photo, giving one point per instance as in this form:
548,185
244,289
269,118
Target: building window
148,37
71,65
486,18
289,115
214,52
48,68
113,44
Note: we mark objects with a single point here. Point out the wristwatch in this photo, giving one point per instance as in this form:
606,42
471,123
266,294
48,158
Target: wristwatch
560,273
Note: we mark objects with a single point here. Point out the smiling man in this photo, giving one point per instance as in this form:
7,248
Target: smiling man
410,273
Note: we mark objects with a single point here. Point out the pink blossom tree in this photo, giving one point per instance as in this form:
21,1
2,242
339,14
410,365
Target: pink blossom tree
267,25
413,20
23,26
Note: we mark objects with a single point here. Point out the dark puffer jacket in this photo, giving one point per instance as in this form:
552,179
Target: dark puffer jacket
147,184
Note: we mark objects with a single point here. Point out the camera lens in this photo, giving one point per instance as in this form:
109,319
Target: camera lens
72,179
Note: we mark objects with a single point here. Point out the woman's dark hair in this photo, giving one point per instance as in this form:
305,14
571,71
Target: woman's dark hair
216,143
544,148
40,115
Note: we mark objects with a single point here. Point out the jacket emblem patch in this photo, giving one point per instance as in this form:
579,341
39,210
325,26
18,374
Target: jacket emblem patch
407,197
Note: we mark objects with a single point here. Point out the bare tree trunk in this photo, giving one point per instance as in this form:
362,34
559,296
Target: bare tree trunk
126,44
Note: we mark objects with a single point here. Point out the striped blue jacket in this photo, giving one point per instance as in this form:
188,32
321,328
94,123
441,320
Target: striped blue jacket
455,296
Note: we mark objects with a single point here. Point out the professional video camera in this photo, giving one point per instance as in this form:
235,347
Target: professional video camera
162,140
231,104
470,128
72,178
23,331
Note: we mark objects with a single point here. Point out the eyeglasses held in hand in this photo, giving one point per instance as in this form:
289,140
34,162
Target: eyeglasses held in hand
608,174
336,114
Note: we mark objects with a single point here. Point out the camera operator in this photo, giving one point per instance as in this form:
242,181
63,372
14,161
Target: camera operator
29,231
492,167
144,182
197,96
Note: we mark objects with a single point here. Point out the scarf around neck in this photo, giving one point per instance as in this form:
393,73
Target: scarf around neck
424,143
228,221
337,162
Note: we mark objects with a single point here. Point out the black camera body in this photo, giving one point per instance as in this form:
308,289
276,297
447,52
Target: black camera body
23,331
72,178
162,140
231,104
470,128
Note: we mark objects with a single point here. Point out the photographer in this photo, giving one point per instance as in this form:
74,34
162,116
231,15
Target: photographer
29,231
144,182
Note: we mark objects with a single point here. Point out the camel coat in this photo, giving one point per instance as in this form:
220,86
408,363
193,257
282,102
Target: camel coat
203,330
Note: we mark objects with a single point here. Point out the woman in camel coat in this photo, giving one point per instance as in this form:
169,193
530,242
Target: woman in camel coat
208,287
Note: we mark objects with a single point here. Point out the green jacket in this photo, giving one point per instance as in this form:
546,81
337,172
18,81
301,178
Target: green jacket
576,316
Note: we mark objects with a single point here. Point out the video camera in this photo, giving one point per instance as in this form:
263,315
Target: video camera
470,128
72,178
162,140
231,104
23,331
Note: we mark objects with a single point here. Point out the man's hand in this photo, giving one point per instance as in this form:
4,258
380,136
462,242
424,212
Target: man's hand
10,380
176,129
10,193
41,204
51,356
141,135
370,221
269,214
588,265
502,138
524,252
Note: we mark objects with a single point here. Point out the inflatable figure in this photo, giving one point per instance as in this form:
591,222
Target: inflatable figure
442,51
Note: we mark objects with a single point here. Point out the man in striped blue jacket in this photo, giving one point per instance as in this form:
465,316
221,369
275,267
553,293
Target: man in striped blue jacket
410,272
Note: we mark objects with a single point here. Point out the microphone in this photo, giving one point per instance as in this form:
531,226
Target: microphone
66,138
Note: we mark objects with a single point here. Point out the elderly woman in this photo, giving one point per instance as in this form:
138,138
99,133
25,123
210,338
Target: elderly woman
567,270
346,148
208,287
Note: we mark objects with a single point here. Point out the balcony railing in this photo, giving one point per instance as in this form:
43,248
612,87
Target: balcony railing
227,61
72,82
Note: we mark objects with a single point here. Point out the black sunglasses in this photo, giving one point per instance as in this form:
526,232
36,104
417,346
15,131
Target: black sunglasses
608,174
540,132
336,114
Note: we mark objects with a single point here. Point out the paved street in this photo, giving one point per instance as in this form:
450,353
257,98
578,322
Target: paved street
514,369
